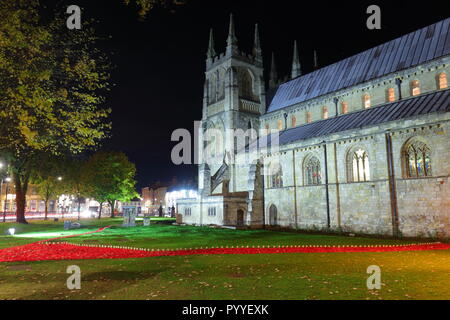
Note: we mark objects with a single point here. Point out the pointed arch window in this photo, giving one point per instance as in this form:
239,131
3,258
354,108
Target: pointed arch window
366,100
417,159
391,95
442,81
312,171
358,166
212,93
245,85
415,88
276,176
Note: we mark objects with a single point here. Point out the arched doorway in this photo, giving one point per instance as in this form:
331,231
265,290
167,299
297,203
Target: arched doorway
240,217
273,215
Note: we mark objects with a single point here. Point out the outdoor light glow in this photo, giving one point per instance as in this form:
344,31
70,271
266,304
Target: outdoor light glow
1,165
59,178
8,179
11,231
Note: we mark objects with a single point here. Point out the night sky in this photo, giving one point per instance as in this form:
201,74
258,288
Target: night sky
160,62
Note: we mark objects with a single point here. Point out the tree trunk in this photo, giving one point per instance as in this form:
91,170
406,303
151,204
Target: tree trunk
21,186
100,211
112,205
46,210
79,207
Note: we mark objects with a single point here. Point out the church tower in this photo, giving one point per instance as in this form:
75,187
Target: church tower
234,98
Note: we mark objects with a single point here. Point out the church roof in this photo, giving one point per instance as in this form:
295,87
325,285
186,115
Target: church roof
410,50
428,103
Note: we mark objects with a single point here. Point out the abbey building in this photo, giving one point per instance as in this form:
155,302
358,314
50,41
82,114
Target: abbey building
363,145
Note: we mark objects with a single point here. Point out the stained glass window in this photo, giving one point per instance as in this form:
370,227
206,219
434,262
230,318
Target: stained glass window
358,166
417,157
312,171
276,176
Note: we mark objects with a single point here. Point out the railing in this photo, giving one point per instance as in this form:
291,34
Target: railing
249,106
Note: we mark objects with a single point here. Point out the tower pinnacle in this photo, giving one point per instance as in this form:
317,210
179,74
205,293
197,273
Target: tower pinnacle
296,66
273,73
232,39
257,52
211,51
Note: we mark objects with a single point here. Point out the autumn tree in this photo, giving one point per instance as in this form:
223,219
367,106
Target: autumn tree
47,177
147,5
111,178
52,82
75,181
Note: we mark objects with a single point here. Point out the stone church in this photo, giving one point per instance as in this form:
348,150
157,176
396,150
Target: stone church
362,145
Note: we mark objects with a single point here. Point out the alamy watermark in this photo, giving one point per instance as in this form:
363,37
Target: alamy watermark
74,281
214,146
374,280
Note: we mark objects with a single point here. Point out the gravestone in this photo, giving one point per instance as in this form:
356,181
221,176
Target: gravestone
67,225
146,221
129,217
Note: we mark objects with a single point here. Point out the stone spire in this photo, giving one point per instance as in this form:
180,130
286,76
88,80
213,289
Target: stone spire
232,39
257,52
273,73
211,51
296,66
316,63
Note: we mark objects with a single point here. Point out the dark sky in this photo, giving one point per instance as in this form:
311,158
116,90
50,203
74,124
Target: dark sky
160,62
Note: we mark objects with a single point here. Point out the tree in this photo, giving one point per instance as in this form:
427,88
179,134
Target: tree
47,178
147,5
75,181
111,178
52,81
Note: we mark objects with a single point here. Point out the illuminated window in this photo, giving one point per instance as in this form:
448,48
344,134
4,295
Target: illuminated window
308,117
358,166
442,79
344,107
275,176
280,125
391,95
366,101
415,87
417,159
325,113
312,172
293,121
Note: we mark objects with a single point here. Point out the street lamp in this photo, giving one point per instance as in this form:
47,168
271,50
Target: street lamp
8,180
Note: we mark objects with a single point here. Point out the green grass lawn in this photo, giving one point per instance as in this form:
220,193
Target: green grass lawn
405,275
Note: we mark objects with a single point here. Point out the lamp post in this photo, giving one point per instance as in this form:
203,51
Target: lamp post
1,184
8,180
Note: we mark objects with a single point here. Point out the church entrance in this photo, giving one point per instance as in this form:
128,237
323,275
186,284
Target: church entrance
273,215
240,218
